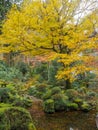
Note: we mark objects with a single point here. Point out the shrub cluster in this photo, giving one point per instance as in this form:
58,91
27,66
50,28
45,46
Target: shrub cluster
56,99
15,118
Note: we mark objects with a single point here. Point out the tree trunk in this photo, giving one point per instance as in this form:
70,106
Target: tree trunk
68,84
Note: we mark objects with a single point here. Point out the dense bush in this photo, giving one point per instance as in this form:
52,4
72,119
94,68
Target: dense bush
47,95
71,93
15,118
22,67
78,101
41,87
10,95
49,106
55,90
72,106
59,101
85,107
32,91
19,71
70,99
91,94
22,102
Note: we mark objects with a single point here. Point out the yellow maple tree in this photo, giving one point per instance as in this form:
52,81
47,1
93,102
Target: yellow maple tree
59,26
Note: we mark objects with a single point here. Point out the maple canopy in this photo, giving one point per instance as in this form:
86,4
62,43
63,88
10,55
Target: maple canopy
64,27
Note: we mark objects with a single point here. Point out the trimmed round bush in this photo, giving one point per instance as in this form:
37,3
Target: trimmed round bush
71,93
59,101
91,94
15,118
82,90
55,90
78,101
72,106
47,95
41,87
85,107
49,106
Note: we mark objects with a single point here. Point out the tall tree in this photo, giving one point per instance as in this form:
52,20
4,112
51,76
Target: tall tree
60,26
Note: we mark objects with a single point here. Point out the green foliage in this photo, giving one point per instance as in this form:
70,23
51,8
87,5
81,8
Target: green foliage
72,106
46,72
49,106
41,87
42,71
53,67
91,94
15,118
32,91
18,72
55,90
78,101
22,102
47,95
5,5
22,67
9,94
85,106
84,80
71,93
59,101
82,90
70,99
4,94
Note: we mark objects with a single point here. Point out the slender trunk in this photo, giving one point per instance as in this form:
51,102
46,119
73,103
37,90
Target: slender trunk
68,84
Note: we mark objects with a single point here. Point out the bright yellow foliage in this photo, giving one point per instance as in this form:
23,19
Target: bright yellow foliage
42,27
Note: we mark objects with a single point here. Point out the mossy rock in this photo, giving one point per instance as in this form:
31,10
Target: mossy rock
15,118
85,107
49,106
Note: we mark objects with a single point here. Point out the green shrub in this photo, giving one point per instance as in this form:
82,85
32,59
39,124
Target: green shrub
91,93
82,89
22,102
15,118
85,107
78,101
49,106
55,90
41,87
71,93
11,88
4,94
59,101
39,94
22,67
8,94
32,91
72,106
46,95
